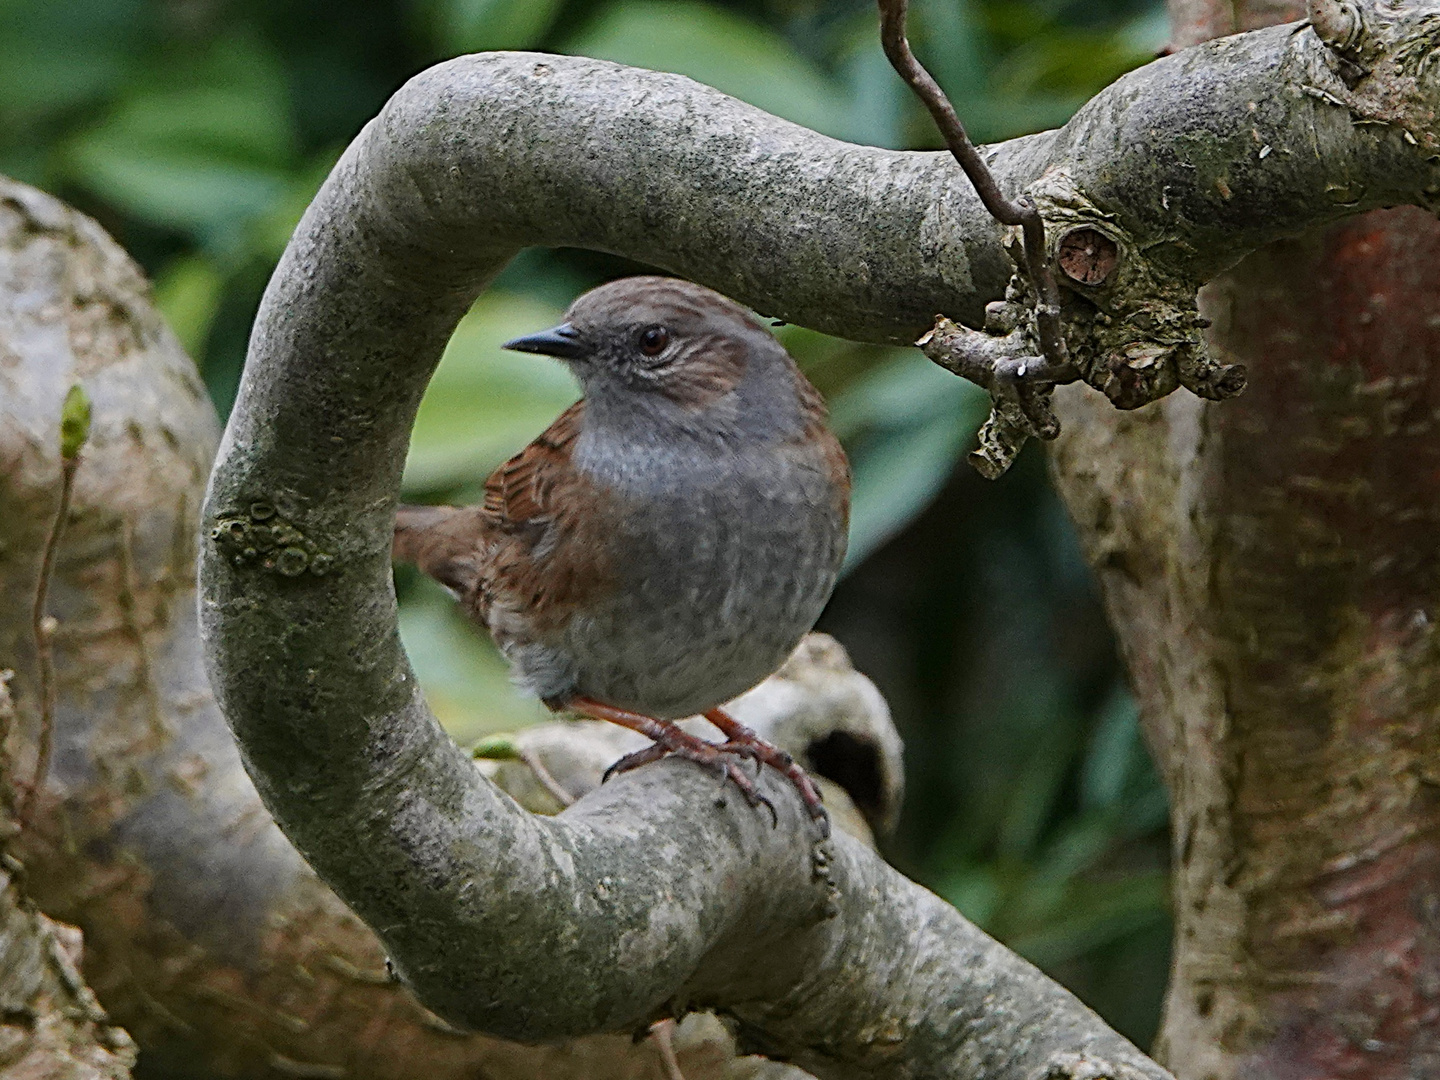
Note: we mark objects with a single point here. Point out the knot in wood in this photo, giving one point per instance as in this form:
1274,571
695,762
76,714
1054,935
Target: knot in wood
1087,256
1338,22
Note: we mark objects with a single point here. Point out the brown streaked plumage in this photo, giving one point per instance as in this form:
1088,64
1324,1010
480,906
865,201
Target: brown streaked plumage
665,543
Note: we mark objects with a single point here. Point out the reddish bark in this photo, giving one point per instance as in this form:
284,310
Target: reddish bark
1271,567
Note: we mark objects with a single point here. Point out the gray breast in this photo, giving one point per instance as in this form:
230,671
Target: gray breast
729,561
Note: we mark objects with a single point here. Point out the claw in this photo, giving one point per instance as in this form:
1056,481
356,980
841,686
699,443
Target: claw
669,739
738,735
634,761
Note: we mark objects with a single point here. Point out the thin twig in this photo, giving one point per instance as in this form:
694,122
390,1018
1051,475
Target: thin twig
546,778
7,721
130,614
662,1031
43,629
1021,212
74,433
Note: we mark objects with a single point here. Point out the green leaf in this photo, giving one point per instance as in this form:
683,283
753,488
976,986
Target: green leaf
905,425
74,422
880,103
187,191
462,26
485,404
203,145
1108,765
976,892
721,49
498,747
58,57
904,393
896,477
188,293
1097,914
272,230
1033,795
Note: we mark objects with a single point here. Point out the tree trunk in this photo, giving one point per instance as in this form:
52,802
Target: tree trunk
1270,567
51,1027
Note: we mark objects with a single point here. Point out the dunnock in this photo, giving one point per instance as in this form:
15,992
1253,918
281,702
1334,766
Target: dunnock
664,544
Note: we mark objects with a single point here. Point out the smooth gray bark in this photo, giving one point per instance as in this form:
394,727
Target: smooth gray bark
206,936
645,899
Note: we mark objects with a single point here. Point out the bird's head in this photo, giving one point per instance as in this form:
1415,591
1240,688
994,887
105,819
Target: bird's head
662,345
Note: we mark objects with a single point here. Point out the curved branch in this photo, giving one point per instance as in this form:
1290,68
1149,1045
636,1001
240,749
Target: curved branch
643,900
205,934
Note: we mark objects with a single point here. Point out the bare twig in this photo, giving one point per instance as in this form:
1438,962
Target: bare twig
546,778
7,721
129,612
1055,365
74,431
663,1032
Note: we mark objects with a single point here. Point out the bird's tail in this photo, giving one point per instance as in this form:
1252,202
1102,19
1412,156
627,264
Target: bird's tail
414,528
440,541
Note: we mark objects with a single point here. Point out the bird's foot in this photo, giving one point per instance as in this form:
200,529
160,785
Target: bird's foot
739,739
670,739
720,758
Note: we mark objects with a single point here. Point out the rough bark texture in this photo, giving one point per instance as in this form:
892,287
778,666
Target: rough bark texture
51,1026
1270,566
211,939
856,972
648,901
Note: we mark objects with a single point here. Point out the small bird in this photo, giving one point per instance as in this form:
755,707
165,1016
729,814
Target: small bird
662,546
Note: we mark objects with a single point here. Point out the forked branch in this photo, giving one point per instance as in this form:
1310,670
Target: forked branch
1127,318
1054,363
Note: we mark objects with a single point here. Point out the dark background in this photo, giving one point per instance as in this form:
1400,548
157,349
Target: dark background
197,130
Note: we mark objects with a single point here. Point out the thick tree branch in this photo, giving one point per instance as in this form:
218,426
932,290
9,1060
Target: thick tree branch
648,900
206,936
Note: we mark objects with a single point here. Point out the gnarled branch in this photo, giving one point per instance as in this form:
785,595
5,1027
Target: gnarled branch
648,900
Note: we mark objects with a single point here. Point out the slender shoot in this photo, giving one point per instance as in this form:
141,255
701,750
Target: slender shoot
74,433
662,1031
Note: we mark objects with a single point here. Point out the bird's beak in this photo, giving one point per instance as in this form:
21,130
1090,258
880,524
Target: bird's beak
562,341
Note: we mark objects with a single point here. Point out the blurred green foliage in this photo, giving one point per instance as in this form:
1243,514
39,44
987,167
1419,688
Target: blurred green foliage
197,131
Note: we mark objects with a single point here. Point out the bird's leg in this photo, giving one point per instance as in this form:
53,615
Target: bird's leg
670,739
740,739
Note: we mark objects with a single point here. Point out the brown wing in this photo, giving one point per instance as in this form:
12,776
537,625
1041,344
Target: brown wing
445,542
534,553
460,546
553,533
520,496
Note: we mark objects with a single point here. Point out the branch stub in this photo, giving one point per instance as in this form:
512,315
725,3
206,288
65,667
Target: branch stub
1087,256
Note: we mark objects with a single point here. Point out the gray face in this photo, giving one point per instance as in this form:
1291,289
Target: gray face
653,352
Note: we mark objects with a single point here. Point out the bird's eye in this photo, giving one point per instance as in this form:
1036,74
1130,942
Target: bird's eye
653,340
